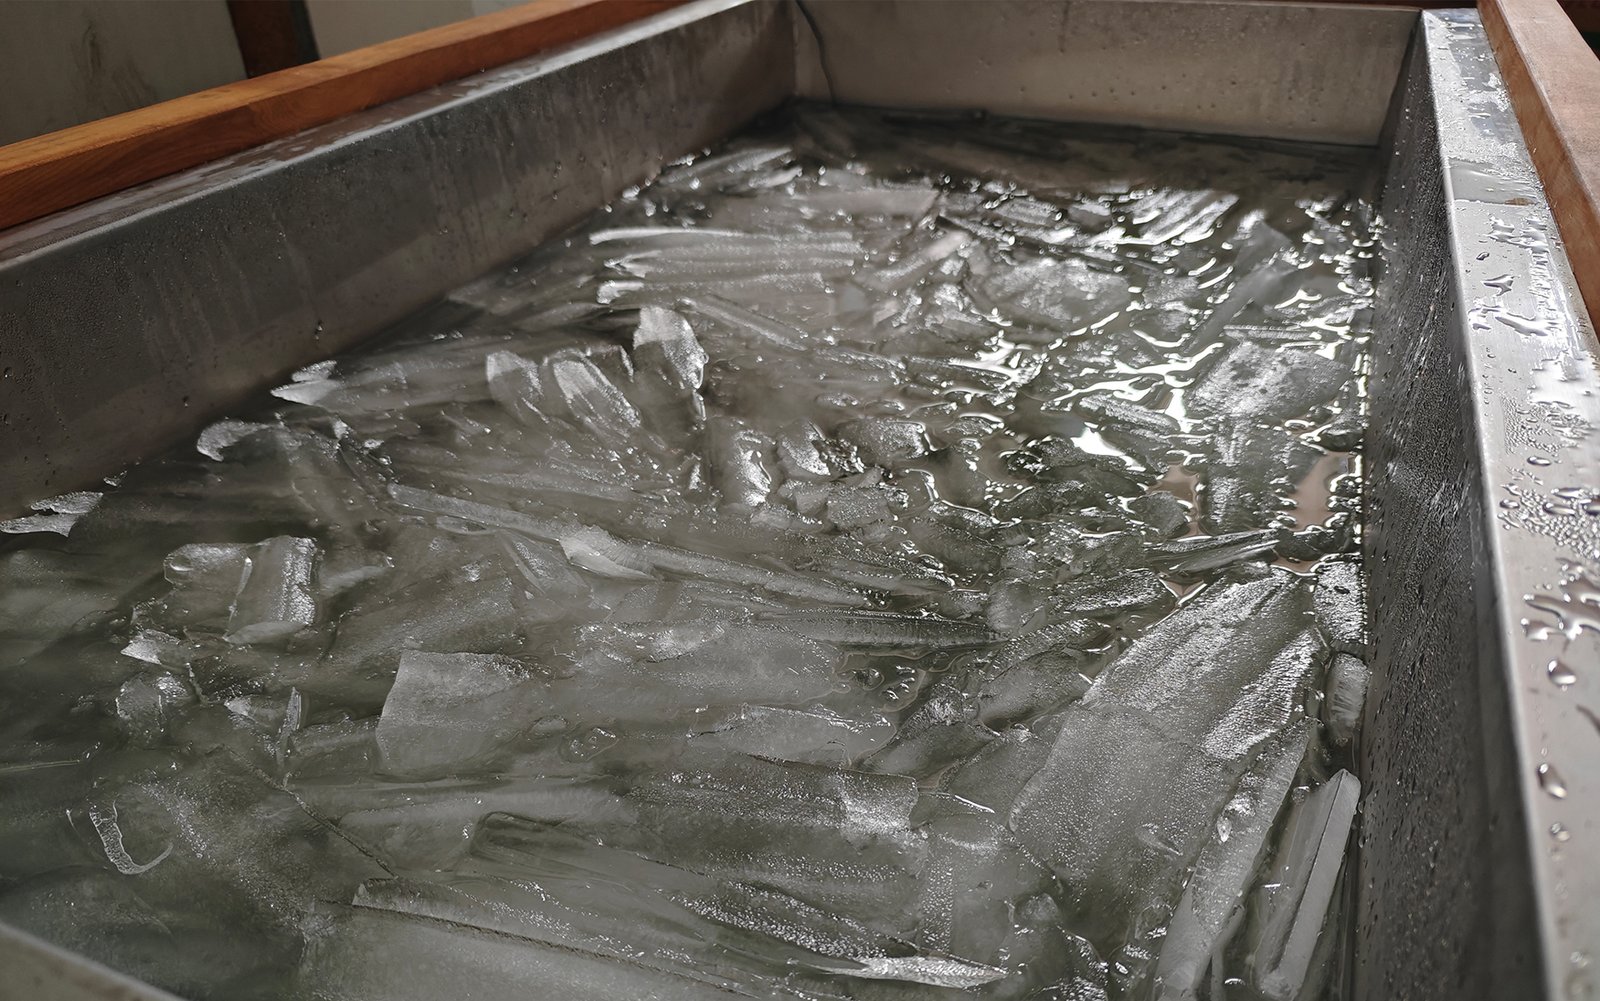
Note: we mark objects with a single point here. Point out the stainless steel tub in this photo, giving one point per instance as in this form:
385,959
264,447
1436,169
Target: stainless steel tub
132,320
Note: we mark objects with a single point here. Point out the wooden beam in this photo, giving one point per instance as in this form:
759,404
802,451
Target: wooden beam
56,171
1554,81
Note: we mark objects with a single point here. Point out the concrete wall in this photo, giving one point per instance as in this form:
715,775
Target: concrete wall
342,25
63,62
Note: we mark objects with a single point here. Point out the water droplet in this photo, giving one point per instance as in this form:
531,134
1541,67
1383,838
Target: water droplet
1579,987
1560,833
1550,781
1538,460
1560,673
1510,505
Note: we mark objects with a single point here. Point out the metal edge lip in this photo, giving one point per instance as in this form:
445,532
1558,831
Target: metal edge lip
51,973
19,244
1534,370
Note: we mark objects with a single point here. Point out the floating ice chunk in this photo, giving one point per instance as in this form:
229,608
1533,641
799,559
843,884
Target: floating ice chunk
1197,695
1347,698
153,646
1135,590
1038,684
813,735
277,595
1225,867
1305,875
1266,382
801,452
1115,414
1166,515
682,562
911,267
427,825
1196,664
146,703
1075,634
57,514
1340,598
942,729
741,459
1201,553
514,383
1272,701
1059,295
885,441
592,399
759,328
869,630
598,552
447,708
1262,270
654,672
892,201
974,874
545,529
664,345
857,507
935,971
709,804
219,437
993,777
1253,471
245,847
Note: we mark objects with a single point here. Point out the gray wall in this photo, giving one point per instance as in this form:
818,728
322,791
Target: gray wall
342,25
63,62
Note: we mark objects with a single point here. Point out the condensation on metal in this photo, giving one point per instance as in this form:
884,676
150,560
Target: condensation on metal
134,320
1315,72
1479,863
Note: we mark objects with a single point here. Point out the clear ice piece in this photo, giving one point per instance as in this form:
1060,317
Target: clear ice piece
448,708
1222,873
1340,598
277,595
1197,695
1306,876
1347,698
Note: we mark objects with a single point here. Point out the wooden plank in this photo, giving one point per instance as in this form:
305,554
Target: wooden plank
56,171
1554,81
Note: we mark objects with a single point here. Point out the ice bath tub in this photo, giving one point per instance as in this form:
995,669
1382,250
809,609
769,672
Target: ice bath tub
133,320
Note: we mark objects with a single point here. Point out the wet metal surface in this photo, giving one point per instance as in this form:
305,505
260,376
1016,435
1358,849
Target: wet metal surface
1483,537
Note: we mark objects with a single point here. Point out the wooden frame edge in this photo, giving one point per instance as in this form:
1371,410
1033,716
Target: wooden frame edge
1554,81
59,170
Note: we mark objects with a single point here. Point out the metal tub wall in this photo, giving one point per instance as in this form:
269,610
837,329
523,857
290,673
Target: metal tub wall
129,322
1478,863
